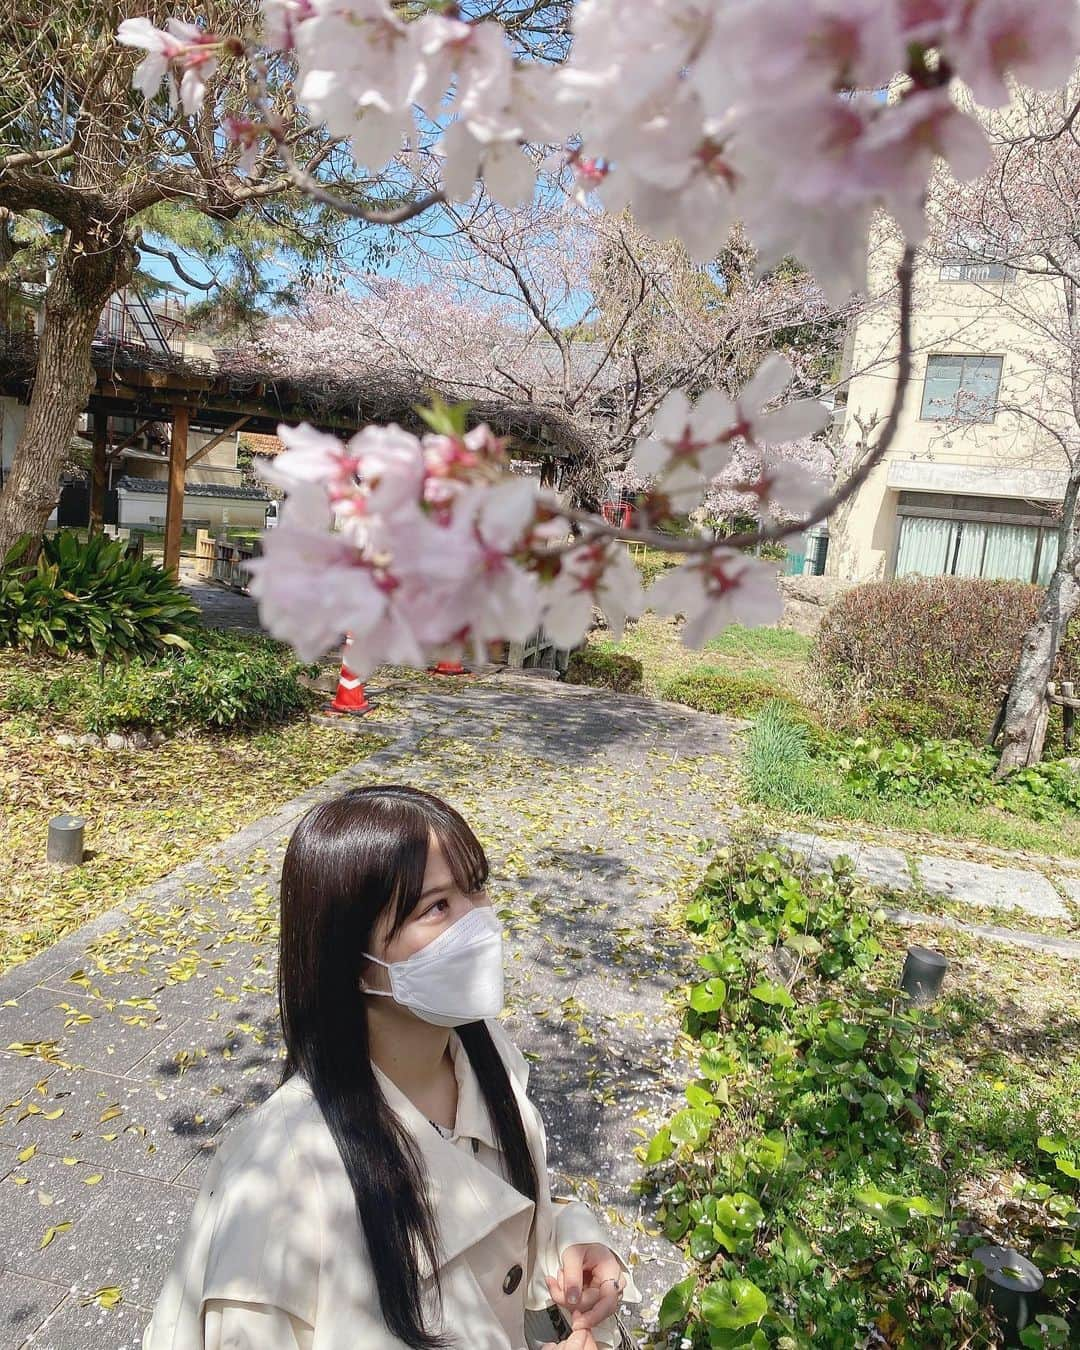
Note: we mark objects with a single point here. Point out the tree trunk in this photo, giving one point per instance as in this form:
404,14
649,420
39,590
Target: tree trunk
87,273
1026,713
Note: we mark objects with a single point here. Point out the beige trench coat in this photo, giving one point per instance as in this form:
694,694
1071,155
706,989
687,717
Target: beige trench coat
274,1256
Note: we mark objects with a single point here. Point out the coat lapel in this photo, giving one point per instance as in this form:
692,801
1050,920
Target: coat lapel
468,1200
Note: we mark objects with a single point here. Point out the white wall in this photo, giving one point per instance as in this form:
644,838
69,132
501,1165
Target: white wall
12,421
148,508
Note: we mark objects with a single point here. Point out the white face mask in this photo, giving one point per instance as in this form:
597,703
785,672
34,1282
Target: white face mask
455,979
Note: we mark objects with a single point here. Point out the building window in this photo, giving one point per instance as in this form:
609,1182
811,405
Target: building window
961,387
998,550
975,269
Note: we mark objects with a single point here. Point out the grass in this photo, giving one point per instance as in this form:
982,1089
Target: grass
146,811
777,653
781,773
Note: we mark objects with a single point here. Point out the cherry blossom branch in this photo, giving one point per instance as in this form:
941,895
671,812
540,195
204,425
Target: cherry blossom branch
597,528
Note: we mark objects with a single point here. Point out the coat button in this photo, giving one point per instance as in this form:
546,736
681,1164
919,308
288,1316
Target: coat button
513,1279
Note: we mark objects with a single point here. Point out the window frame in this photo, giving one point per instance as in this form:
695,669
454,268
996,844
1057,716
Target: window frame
1043,523
965,264
963,358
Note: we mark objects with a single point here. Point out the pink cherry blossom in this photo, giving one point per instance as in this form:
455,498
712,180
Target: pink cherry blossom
177,44
1033,40
789,486
786,49
718,590
600,574
280,20
312,588
904,143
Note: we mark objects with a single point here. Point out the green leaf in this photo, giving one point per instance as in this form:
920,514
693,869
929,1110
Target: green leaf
708,996
715,1065
732,1304
660,1147
739,1212
446,419
692,1126
676,1304
1069,1168
775,995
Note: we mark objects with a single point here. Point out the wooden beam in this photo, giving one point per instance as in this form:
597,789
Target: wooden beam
221,436
130,439
174,502
99,472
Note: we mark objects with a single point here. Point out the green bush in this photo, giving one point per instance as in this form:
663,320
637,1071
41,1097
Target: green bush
225,680
826,1172
605,670
930,652
90,598
711,690
938,714
925,772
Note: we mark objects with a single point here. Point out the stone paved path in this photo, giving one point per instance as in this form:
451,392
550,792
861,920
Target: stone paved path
132,1045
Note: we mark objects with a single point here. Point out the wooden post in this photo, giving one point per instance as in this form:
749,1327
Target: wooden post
174,503
1068,714
99,472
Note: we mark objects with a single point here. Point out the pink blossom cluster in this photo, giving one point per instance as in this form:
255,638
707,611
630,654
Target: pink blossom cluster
425,548
798,117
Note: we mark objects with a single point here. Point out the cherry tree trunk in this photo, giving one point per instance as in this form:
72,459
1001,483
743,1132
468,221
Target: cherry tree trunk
1027,712
85,276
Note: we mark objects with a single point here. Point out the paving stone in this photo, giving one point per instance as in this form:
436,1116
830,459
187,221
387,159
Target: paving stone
171,1118
124,1238
875,863
994,887
76,1327
24,1304
86,1031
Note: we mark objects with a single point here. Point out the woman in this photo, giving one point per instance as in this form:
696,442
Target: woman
393,1191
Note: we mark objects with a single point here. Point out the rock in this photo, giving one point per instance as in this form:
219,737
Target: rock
65,739
114,741
157,738
807,599
140,740
89,739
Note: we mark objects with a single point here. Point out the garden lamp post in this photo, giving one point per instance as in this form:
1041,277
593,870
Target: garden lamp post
65,843
1011,1284
924,973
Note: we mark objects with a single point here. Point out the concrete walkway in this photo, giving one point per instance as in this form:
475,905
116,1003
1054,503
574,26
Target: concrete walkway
127,1050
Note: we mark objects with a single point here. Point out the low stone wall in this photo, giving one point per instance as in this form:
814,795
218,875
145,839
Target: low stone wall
807,599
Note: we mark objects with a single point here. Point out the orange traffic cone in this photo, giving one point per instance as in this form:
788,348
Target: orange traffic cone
350,696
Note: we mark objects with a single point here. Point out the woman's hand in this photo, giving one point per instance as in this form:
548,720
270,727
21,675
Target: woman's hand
577,1340
589,1286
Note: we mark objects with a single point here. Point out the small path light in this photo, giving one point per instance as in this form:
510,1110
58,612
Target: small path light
1012,1283
924,973
65,845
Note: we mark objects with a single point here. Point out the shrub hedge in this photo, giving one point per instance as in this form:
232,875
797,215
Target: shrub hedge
222,681
925,656
90,597
711,690
605,670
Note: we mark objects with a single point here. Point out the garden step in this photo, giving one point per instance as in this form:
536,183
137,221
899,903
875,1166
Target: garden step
969,883
1068,948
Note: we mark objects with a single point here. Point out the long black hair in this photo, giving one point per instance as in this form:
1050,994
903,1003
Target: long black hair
351,859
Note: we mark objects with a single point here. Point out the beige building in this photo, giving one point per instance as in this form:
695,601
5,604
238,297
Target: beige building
972,482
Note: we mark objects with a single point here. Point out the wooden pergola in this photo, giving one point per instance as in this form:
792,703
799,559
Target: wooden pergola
231,394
